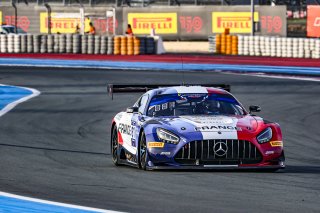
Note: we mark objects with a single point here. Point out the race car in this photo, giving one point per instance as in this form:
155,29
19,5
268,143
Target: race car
194,127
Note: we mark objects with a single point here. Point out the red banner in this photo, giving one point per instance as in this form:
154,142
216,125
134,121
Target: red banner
313,21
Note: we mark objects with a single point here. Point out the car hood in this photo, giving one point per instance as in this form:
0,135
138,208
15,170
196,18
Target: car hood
220,123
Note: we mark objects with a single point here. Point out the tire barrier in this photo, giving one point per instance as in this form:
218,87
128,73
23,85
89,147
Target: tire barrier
69,43
123,45
62,43
150,45
104,45
130,47
110,45
50,43
56,44
24,43
136,43
142,47
265,46
10,43
30,43
43,45
36,43
17,44
76,43
84,44
213,44
117,45
3,43
97,43
90,49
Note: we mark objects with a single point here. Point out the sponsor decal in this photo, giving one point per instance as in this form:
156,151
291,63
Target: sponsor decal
272,24
211,128
276,143
163,23
191,24
165,153
62,22
237,22
22,21
269,152
210,120
126,129
155,145
313,21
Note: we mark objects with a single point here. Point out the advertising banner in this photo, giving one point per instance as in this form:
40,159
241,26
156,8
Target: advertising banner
1,17
163,23
313,21
238,22
62,22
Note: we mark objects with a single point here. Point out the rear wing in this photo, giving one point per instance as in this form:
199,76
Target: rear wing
134,88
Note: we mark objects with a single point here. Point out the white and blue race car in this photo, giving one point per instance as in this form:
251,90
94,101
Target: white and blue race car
194,127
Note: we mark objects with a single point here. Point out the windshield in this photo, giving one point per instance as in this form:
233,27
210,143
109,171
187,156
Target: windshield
194,104
9,29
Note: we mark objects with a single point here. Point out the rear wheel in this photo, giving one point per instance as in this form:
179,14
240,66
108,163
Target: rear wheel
143,153
114,146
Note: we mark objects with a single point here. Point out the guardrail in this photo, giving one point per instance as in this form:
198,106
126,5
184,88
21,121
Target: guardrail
77,44
265,46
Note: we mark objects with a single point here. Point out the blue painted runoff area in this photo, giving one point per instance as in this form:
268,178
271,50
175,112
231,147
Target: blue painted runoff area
292,70
10,94
15,205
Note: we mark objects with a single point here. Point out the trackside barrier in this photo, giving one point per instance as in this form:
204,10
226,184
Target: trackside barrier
76,43
265,46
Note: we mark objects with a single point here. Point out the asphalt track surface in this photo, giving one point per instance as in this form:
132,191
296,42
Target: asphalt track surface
56,146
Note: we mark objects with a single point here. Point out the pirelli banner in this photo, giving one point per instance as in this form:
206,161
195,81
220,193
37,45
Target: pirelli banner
313,21
173,23
199,22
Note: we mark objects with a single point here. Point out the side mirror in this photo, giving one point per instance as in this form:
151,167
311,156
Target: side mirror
132,109
254,109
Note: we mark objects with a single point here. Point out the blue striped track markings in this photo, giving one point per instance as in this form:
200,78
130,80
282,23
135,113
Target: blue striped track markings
293,70
19,204
10,96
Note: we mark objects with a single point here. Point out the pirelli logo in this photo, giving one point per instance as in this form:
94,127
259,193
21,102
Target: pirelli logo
276,143
155,145
163,23
237,22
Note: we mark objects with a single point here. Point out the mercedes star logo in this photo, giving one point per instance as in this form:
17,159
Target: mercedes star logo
220,149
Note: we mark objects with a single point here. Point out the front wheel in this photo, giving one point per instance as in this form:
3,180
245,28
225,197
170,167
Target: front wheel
143,152
114,146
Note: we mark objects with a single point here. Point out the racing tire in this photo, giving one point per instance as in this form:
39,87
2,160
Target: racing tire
142,153
114,146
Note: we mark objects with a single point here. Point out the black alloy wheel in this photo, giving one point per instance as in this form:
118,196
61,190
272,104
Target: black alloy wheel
143,153
114,146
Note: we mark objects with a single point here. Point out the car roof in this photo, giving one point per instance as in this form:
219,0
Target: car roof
187,89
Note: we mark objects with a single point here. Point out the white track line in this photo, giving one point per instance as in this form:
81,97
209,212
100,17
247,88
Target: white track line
55,203
263,75
15,103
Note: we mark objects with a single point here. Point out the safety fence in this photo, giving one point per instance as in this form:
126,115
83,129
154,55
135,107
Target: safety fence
76,43
265,46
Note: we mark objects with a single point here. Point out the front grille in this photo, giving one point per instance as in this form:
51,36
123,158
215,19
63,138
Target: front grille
212,152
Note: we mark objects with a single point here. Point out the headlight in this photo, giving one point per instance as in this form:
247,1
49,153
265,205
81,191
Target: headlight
167,137
265,136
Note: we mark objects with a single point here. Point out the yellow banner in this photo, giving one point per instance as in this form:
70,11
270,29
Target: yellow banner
1,17
163,23
62,22
237,22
